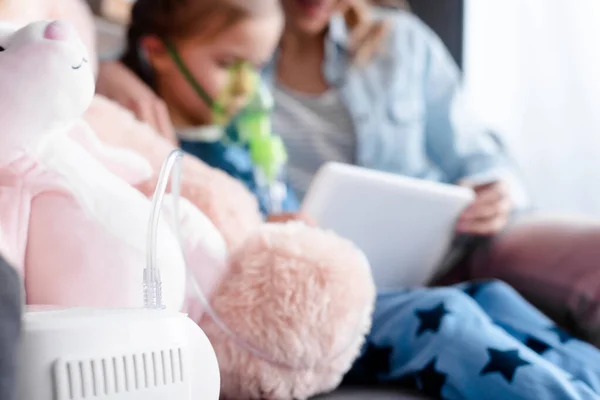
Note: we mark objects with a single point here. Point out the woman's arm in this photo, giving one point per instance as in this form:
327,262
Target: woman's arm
456,141
463,148
119,83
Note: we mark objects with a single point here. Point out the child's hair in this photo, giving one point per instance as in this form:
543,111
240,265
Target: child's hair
174,19
178,19
367,34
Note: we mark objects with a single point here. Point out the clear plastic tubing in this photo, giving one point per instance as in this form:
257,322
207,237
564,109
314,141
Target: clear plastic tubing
172,168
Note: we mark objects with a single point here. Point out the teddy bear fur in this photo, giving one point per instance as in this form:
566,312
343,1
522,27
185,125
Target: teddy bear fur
303,298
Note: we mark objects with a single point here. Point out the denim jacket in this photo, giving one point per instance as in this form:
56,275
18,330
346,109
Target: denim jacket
408,110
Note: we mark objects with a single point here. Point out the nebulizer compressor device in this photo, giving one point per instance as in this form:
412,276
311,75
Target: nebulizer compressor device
149,353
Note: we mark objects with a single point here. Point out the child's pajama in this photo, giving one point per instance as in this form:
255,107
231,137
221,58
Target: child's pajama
236,161
474,341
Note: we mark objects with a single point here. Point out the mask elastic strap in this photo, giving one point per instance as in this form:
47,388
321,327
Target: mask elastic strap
190,78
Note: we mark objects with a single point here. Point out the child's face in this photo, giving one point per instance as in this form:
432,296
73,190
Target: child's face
209,60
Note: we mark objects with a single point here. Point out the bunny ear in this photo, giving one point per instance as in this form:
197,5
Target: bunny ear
8,28
6,31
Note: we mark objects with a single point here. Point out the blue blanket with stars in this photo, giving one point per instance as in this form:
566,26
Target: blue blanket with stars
474,341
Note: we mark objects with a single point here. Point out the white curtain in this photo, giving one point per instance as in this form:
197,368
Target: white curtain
532,70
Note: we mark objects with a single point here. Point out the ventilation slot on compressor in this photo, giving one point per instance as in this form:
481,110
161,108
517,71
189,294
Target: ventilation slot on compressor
98,378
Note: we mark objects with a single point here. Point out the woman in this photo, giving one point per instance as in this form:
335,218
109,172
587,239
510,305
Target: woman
393,94
396,118
379,89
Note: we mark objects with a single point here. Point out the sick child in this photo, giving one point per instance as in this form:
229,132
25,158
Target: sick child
471,341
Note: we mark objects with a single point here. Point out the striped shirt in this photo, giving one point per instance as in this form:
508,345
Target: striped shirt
315,130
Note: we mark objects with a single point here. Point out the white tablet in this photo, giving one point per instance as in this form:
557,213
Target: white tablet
404,226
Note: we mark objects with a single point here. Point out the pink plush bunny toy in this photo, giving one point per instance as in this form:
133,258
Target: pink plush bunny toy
69,220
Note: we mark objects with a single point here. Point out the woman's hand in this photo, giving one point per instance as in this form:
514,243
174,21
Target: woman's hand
290,217
490,211
118,83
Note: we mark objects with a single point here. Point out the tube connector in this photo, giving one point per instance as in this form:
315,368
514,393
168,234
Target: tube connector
153,289
152,282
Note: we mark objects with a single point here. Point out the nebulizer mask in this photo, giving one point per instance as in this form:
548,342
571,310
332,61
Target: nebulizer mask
252,123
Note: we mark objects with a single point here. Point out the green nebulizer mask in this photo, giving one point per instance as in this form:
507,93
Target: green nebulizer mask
267,150
252,123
